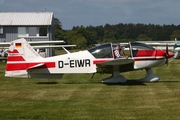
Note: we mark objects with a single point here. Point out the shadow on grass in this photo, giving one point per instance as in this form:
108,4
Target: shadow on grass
82,83
169,81
47,83
128,83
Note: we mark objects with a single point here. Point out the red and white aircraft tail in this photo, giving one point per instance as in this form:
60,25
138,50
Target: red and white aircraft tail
21,50
19,54
24,61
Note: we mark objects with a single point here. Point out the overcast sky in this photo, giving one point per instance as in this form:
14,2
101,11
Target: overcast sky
99,12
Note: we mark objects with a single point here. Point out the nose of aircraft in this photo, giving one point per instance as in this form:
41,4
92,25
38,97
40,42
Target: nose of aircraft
166,54
169,54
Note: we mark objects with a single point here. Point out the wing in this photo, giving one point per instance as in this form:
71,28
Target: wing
122,64
46,42
5,44
120,61
53,46
2,44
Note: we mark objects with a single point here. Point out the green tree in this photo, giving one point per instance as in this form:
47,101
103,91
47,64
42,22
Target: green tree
109,32
120,33
57,24
72,37
88,35
143,37
175,34
59,33
81,43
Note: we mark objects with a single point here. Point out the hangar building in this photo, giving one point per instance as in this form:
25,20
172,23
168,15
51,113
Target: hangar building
33,26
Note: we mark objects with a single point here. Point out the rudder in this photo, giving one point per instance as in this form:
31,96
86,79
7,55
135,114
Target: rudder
19,54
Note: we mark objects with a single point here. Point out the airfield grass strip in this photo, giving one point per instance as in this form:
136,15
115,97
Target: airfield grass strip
78,96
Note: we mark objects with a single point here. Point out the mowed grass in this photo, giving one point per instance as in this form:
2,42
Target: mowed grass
78,96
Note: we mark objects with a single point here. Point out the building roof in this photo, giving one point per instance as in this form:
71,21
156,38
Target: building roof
25,18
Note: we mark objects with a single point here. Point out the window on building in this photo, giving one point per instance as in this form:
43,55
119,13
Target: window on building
43,31
1,29
21,31
32,31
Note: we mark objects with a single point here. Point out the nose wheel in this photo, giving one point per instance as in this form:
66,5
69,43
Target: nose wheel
150,77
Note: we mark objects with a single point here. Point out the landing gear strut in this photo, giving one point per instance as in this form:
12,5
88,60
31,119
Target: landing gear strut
116,77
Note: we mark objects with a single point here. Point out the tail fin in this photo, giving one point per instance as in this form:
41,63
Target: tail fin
19,54
21,50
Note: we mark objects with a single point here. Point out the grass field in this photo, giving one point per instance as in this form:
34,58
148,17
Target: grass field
77,96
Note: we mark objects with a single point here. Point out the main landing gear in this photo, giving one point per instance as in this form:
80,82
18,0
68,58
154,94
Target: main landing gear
116,77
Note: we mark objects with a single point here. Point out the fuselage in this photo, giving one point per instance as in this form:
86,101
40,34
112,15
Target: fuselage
24,61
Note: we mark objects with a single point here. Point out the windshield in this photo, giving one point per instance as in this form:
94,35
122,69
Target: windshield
102,51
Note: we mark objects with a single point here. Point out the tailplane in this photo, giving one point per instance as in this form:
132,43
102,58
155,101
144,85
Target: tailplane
19,54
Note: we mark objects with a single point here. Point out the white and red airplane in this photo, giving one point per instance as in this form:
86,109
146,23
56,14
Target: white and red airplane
24,61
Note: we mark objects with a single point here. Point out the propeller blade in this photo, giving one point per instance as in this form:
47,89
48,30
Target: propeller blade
167,50
167,54
167,61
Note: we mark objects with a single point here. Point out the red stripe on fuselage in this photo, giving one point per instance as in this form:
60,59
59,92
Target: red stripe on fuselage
99,61
25,66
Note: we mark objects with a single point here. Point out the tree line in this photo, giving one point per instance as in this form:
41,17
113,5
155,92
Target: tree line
85,37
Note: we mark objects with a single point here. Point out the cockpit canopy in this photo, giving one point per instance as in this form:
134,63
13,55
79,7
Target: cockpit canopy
106,50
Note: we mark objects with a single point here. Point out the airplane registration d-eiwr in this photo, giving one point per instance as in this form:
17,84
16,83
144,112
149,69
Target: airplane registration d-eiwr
24,61
75,63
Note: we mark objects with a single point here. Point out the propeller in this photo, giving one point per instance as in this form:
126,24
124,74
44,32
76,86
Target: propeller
166,54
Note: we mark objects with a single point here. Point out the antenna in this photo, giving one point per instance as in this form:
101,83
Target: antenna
44,8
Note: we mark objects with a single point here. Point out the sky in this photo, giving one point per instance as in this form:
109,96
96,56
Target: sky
100,12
